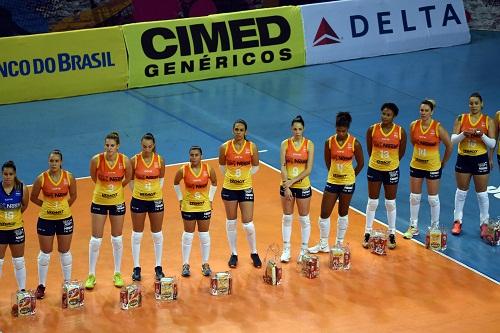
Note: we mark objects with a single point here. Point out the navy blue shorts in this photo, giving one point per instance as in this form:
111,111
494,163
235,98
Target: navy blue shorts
299,193
419,173
475,165
237,195
196,216
105,209
146,206
52,227
15,236
340,189
386,177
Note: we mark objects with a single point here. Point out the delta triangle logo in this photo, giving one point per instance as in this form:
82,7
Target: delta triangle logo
325,34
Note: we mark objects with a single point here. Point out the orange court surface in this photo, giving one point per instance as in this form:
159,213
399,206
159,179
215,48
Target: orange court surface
409,290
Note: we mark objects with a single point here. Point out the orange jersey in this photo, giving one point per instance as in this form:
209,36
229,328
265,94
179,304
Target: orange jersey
147,178
425,146
473,146
296,162
55,204
196,189
108,188
341,170
385,148
238,166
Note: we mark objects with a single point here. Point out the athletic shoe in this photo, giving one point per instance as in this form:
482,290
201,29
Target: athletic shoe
412,231
285,256
136,275
159,273
185,270
117,280
205,269
302,253
256,260
233,261
392,241
457,228
40,291
366,240
322,246
90,282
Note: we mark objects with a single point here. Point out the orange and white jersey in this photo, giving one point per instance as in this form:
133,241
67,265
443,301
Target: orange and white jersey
296,161
147,178
238,166
196,185
473,146
108,188
425,146
385,148
341,170
55,204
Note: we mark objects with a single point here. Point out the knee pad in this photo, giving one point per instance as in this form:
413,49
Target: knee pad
231,225
390,205
415,198
43,258
66,258
482,196
372,204
136,237
305,221
18,263
117,240
204,237
461,195
287,220
342,222
433,200
187,238
157,237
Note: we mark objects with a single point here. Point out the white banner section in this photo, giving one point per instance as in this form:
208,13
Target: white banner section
351,29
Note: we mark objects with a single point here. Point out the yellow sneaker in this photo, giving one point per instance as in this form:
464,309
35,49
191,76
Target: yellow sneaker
117,279
412,231
90,282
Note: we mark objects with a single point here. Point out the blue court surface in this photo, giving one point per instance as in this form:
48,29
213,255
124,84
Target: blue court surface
203,112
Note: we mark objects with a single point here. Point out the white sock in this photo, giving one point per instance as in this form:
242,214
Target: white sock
66,264
204,245
342,223
43,267
136,247
187,240
1,266
390,206
286,228
251,238
305,230
414,208
94,246
371,208
158,245
435,208
458,213
117,243
20,272
484,207
231,235
324,228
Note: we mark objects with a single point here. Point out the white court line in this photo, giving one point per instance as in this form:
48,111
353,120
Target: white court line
413,239
358,211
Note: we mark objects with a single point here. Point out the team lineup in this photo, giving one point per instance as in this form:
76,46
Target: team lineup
111,172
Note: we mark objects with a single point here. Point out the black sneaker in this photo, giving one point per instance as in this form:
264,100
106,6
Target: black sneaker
256,260
185,270
136,275
233,261
392,241
205,270
366,240
159,273
40,291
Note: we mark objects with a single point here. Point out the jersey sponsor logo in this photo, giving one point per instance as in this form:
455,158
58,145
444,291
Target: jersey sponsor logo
237,181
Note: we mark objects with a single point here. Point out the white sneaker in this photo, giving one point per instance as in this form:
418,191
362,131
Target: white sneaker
322,246
301,255
285,256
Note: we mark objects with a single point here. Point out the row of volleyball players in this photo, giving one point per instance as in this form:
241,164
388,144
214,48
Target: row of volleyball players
54,190
474,132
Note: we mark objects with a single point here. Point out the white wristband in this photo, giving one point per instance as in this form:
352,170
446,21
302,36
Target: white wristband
456,138
489,142
254,169
177,189
211,192
162,181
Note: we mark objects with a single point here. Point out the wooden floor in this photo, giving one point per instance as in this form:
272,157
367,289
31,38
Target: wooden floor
411,289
